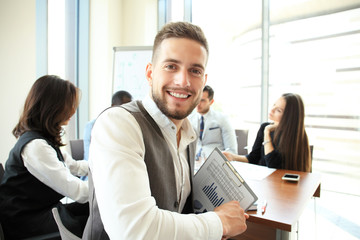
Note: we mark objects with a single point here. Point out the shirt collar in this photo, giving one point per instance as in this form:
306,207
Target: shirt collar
205,115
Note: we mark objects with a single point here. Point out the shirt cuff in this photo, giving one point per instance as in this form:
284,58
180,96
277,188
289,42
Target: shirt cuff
215,225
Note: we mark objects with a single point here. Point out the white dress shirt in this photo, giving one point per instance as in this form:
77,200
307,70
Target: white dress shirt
218,132
42,162
121,182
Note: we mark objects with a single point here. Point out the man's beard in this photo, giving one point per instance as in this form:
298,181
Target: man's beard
162,105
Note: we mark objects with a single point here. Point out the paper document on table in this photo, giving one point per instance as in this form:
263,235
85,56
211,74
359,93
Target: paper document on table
217,182
251,171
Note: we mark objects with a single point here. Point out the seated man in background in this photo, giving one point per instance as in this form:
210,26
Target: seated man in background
213,128
118,98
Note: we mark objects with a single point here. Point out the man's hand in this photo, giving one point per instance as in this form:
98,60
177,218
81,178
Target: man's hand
233,219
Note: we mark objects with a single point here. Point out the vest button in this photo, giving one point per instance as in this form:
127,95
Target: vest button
176,204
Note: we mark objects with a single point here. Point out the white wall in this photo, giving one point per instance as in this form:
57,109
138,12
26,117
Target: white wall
115,23
17,65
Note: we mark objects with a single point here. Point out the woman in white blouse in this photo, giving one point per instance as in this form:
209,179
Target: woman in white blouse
37,173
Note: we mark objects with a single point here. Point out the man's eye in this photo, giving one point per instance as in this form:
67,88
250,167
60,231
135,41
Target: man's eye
196,71
170,67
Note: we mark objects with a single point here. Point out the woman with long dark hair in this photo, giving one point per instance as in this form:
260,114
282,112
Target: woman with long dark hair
37,174
283,143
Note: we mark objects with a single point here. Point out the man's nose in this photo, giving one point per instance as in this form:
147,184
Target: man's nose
182,79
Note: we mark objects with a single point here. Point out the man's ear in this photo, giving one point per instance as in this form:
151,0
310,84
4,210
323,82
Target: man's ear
212,101
149,73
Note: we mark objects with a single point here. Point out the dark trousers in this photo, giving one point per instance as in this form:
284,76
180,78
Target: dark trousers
73,216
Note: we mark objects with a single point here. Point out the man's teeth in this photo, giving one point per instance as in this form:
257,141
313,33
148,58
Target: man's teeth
178,95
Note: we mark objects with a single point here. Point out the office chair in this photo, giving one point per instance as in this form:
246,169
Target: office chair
1,233
311,153
49,236
2,171
242,139
77,149
1,176
64,232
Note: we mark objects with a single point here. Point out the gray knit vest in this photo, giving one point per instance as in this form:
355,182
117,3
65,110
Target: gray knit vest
160,167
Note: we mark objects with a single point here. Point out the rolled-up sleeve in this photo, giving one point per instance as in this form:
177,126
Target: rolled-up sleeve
41,161
77,167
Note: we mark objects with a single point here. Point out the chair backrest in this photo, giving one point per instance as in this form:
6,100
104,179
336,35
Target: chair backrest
77,149
48,236
1,233
64,232
1,176
242,140
311,153
2,171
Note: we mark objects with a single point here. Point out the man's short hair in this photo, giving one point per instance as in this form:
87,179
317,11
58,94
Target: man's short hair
210,91
180,30
120,97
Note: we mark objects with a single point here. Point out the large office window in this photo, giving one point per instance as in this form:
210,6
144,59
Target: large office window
67,52
234,68
314,50
56,37
319,58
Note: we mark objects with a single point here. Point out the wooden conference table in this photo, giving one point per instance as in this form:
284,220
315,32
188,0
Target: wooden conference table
285,202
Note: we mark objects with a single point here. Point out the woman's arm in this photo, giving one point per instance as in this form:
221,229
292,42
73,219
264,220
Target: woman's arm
268,145
235,157
272,156
41,161
76,167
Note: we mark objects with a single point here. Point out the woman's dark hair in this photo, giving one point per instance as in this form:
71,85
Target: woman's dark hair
293,143
50,102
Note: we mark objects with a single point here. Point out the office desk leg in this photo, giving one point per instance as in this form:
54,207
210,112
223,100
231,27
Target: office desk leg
282,235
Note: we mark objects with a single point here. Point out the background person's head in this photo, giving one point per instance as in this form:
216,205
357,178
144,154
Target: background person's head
207,99
294,112
121,97
49,105
177,73
277,110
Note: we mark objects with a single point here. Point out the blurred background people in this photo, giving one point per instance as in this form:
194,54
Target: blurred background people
212,127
